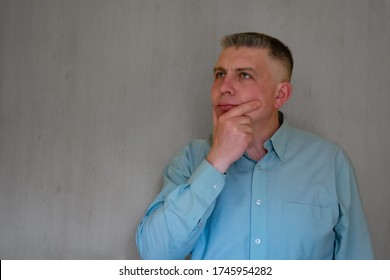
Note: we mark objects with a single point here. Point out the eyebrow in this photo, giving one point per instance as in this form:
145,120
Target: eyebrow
216,69
245,69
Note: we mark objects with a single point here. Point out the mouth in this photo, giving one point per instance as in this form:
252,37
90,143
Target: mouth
226,107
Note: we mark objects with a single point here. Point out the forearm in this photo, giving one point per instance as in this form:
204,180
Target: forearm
178,215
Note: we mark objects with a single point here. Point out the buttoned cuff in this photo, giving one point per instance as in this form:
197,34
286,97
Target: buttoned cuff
207,182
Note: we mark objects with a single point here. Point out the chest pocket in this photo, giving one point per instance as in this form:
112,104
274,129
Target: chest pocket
308,231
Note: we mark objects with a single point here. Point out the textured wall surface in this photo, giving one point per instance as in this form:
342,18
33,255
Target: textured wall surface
96,96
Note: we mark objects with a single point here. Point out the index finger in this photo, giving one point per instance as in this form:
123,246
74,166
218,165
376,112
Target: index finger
244,108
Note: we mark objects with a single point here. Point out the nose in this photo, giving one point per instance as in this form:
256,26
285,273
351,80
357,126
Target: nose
227,86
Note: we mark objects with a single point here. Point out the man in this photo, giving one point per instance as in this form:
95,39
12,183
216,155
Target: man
259,188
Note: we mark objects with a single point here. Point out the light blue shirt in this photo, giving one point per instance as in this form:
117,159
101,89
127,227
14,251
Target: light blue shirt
300,201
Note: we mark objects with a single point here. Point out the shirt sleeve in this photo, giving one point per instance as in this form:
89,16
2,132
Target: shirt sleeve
176,218
353,240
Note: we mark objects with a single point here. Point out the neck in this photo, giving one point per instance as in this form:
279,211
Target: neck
261,133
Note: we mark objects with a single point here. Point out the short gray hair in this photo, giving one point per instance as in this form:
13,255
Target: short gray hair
277,49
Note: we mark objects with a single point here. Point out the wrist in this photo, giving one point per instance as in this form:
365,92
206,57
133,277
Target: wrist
217,163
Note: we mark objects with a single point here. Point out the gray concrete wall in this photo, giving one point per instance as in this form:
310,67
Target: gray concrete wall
96,96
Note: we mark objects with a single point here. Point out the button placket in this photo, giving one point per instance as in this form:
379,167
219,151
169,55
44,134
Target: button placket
258,212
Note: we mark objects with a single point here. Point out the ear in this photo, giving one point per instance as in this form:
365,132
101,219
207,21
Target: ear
283,93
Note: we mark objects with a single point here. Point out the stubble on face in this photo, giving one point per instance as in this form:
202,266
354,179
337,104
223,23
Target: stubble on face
243,75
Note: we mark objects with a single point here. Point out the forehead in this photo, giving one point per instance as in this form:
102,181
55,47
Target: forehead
244,57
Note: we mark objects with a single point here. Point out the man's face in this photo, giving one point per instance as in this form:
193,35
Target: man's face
242,75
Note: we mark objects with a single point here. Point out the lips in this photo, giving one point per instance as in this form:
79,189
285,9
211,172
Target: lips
226,107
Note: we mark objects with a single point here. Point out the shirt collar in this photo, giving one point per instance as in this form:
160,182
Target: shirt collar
278,140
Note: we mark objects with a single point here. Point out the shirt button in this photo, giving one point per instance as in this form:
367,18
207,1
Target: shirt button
258,202
257,241
259,167
215,187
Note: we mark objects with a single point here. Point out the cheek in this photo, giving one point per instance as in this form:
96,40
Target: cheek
214,100
267,106
214,93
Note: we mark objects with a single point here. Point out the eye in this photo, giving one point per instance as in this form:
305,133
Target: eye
219,75
245,75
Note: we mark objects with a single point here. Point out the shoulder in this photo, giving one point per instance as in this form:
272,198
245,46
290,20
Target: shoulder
197,148
308,143
308,138
192,154
200,145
